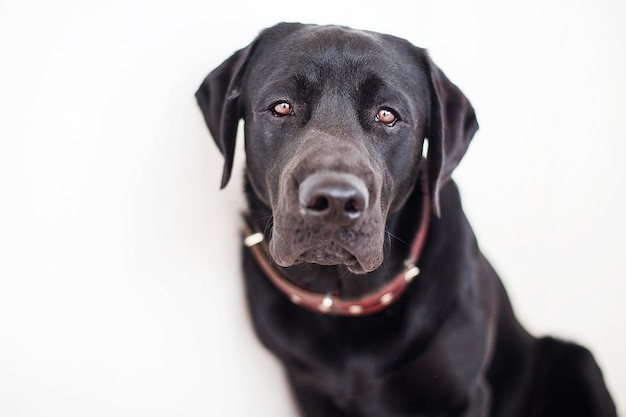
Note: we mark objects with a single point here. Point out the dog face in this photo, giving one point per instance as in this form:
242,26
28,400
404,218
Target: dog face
335,122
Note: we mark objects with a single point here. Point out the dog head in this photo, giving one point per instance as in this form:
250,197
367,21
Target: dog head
335,122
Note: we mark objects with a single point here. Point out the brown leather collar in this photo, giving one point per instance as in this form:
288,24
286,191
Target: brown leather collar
332,303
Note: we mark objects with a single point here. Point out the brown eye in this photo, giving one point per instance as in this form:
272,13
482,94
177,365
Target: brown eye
386,116
282,108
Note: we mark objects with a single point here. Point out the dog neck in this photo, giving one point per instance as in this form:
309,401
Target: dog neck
342,294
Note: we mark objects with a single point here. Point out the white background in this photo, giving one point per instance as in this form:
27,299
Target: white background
120,290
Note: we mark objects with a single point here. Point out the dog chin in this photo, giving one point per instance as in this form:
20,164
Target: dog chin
335,258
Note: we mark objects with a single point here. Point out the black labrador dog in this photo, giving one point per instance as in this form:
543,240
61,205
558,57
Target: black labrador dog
362,274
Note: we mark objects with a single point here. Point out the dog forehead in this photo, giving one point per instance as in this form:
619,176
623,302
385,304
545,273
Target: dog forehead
320,41
328,52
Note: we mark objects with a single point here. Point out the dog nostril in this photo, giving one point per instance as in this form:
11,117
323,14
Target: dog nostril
352,207
319,204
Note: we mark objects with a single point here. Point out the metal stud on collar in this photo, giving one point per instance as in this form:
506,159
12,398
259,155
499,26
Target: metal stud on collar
355,310
327,303
253,239
296,299
411,272
386,298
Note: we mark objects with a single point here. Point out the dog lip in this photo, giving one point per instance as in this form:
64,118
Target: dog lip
327,253
281,257
322,256
356,264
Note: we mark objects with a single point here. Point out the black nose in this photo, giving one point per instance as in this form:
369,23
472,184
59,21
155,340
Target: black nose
334,197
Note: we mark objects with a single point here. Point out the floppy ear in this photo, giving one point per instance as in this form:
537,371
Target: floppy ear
452,126
218,98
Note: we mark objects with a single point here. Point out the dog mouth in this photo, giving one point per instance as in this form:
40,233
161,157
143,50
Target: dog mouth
358,259
328,254
323,256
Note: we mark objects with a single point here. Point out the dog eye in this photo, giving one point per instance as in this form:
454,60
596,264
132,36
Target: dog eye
282,108
386,116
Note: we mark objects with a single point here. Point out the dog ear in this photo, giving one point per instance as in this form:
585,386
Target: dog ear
452,126
218,98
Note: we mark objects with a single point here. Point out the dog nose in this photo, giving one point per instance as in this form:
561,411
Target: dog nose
336,197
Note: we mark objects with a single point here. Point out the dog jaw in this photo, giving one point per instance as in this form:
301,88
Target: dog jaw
358,247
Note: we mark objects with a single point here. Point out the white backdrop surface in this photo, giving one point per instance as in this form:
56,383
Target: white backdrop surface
120,288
